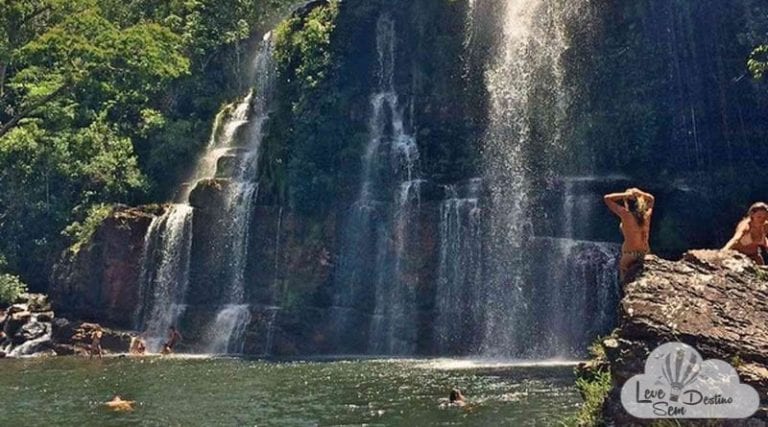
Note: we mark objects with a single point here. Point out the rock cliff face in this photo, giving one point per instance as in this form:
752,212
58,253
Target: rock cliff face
714,301
311,172
101,281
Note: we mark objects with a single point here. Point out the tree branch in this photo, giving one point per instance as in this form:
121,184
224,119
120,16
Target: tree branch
31,109
3,68
33,15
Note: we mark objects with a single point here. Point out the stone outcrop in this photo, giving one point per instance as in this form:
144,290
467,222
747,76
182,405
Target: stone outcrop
714,301
75,338
29,328
101,281
25,327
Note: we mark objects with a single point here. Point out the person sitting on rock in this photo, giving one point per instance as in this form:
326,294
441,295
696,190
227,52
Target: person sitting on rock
96,335
751,232
173,338
634,207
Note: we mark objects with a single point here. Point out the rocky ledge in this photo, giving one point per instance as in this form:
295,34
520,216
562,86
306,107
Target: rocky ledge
28,328
714,301
100,282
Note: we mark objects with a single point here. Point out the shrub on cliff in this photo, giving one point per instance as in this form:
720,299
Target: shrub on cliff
81,232
758,62
310,133
11,287
593,383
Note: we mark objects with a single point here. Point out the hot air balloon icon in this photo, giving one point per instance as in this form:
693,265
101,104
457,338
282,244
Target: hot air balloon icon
680,369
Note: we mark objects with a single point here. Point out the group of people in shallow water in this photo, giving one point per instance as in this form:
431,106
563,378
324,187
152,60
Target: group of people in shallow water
635,208
138,345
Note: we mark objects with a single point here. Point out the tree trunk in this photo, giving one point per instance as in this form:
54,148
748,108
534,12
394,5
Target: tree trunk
3,67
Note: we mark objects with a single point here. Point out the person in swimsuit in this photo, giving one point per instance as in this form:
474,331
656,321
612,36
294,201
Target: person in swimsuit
96,342
137,347
456,398
634,207
118,404
751,232
173,338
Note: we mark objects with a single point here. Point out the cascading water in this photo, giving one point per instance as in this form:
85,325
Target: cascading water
225,333
165,273
528,105
497,285
458,306
230,159
36,327
582,302
380,222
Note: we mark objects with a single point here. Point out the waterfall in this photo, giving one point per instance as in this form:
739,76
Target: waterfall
227,330
165,273
230,159
528,106
457,303
239,168
581,299
581,303
380,223
269,343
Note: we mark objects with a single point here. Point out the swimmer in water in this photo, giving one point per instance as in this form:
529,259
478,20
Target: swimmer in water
456,398
119,405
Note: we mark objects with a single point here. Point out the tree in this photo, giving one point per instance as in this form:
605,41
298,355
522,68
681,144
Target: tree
77,91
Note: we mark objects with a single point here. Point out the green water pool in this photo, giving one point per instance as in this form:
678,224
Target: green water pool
70,391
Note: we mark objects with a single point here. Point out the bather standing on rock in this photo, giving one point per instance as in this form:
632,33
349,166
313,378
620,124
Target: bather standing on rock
751,232
173,338
96,342
635,208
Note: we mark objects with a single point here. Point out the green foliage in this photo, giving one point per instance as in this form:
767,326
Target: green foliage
302,46
594,391
81,232
757,63
309,134
593,383
596,350
736,361
11,288
105,101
